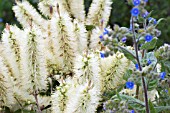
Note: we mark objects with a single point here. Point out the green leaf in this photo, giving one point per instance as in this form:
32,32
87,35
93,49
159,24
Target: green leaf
160,20
162,108
129,55
152,84
90,27
151,106
149,45
165,66
129,98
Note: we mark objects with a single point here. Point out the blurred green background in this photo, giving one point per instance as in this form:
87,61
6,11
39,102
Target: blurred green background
120,14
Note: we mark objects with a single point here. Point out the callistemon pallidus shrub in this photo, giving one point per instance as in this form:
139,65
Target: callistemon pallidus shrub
54,63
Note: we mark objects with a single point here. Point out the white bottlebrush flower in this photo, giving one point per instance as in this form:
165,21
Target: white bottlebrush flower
77,9
113,69
11,51
99,11
81,36
94,42
87,68
64,39
27,15
33,60
60,98
47,7
83,99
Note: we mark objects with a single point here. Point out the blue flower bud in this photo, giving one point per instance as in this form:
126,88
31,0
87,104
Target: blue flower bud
149,61
136,2
135,12
124,39
105,31
129,85
101,36
132,111
148,38
154,21
162,75
145,14
102,55
137,66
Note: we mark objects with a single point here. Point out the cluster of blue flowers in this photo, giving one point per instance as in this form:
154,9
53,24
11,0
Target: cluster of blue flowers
135,11
104,33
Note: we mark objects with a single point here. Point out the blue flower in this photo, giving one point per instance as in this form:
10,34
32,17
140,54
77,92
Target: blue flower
124,39
154,21
149,61
166,90
148,38
135,12
145,0
102,55
132,111
129,85
1,20
101,36
136,2
162,75
145,14
105,31
137,66
150,18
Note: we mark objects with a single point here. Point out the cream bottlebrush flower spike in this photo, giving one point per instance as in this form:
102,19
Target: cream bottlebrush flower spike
83,98
11,52
47,7
35,62
64,38
99,10
27,15
113,69
87,68
11,94
95,43
77,9
81,36
60,98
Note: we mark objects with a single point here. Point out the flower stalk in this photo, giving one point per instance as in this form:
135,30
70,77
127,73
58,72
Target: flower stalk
140,68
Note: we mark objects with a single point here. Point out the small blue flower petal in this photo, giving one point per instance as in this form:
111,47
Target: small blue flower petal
145,14
137,66
101,36
162,75
102,55
145,0
129,85
135,12
154,21
124,39
132,111
166,90
150,18
136,2
149,61
148,38
105,31
1,20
